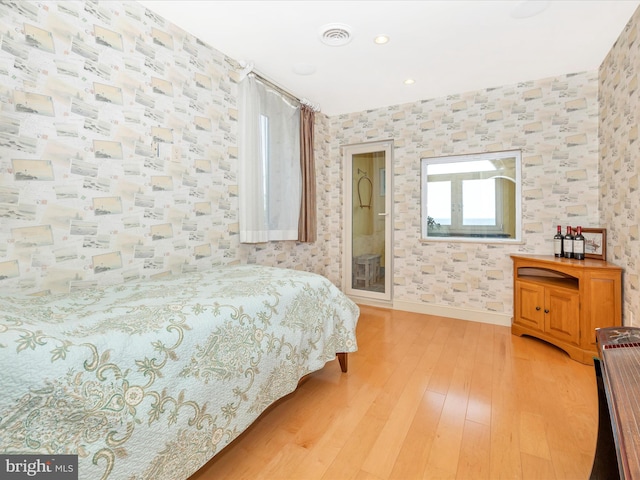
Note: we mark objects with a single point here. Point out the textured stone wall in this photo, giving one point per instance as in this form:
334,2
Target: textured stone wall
118,151
118,160
620,161
553,121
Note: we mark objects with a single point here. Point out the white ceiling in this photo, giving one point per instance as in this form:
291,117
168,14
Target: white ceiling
447,47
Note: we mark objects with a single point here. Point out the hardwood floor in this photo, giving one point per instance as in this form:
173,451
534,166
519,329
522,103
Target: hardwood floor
427,397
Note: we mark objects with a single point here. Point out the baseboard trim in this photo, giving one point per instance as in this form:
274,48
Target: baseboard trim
371,302
481,316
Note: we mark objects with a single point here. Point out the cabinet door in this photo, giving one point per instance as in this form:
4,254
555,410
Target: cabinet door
562,314
529,305
602,305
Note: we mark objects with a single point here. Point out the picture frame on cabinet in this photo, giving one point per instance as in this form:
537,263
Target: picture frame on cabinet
595,243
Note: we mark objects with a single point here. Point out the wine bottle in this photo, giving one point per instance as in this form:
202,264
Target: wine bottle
558,251
578,245
567,244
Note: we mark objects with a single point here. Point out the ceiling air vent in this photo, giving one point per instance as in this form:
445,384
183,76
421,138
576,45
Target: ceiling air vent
335,34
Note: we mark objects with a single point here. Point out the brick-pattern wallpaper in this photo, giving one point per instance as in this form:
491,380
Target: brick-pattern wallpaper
554,122
118,151
620,161
118,160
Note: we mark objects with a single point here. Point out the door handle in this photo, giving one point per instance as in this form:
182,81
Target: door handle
384,214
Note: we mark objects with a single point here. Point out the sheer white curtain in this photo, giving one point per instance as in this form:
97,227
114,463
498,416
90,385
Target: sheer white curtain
269,177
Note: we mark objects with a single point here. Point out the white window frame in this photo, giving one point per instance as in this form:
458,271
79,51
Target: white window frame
457,231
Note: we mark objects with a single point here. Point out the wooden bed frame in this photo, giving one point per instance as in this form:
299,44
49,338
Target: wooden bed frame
343,358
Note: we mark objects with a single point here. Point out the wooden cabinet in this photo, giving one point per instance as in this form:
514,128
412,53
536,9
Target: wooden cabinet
563,301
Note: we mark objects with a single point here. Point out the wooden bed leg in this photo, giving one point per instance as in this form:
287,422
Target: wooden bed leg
344,361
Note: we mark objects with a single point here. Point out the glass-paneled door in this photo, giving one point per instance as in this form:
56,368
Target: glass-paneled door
368,257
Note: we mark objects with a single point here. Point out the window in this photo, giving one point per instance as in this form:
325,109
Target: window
269,174
472,197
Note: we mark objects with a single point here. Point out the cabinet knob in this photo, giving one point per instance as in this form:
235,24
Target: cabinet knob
537,308
546,310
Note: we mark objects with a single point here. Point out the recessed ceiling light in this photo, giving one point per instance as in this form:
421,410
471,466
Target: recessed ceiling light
529,8
381,39
335,34
409,81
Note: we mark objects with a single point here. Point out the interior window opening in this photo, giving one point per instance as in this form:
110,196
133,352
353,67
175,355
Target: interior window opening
472,197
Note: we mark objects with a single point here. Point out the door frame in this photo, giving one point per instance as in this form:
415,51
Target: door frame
363,296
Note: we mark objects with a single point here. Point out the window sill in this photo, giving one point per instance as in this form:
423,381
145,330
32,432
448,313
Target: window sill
473,239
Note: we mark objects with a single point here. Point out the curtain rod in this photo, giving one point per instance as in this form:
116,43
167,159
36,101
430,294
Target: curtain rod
275,86
249,69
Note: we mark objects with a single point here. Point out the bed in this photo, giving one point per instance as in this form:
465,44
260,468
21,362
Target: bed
151,380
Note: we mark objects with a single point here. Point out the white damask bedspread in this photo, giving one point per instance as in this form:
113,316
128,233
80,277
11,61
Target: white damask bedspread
150,380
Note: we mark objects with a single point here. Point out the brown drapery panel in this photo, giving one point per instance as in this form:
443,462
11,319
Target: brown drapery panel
307,225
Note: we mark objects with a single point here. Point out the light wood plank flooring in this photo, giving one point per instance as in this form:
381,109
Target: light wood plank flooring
427,397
